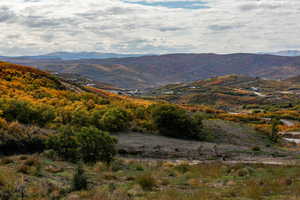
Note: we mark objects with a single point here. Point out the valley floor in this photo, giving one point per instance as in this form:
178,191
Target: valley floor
38,177
228,141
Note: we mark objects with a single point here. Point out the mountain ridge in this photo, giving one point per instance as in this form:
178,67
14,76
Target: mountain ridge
157,70
65,55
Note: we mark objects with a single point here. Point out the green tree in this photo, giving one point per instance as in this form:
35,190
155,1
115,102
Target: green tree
96,145
65,144
115,119
175,122
79,180
274,130
88,144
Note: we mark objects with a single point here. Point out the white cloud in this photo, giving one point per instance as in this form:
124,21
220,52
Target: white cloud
41,26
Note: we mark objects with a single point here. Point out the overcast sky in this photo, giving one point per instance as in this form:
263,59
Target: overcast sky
148,26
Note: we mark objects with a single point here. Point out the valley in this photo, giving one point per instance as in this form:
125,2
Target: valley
152,143
158,70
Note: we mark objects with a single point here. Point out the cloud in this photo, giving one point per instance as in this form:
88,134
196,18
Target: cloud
216,27
6,15
190,4
148,26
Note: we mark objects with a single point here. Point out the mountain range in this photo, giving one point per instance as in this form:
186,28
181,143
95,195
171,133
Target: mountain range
285,53
157,70
77,56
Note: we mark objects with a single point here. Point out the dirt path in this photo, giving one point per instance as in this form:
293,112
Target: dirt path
288,122
233,162
141,145
293,137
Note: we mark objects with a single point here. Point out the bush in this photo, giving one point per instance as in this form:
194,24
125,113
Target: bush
17,138
88,144
175,122
115,119
146,181
65,144
96,145
79,181
26,112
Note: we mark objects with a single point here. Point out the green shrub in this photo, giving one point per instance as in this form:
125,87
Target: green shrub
256,148
80,117
18,138
88,144
65,144
115,119
146,181
95,145
26,112
175,122
79,180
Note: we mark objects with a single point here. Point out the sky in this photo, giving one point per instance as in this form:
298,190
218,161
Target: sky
31,27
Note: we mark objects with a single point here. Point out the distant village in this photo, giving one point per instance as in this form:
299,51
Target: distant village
87,82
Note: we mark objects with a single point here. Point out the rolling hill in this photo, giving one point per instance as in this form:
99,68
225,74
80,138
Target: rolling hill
294,79
153,71
229,90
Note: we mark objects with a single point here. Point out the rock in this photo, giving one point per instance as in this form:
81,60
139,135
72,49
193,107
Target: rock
194,182
130,178
53,169
73,197
230,183
286,181
135,191
242,172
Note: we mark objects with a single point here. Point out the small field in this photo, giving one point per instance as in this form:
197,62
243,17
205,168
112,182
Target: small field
38,177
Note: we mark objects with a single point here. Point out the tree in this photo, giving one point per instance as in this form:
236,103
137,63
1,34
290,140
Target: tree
274,130
96,145
79,181
65,144
175,122
115,119
88,144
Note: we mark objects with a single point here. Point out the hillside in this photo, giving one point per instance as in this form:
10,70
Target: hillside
229,90
153,71
130,148
294,79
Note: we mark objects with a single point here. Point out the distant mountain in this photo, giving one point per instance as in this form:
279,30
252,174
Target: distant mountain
285,53
154,71
77,56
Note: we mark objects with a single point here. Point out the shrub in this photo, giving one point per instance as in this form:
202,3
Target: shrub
256,148
65,144
146,181
175,122
88,144
5,161
3,123
17,138
26,112
96,145
79,180
115,119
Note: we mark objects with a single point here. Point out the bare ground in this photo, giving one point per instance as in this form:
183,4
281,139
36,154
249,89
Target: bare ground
230,142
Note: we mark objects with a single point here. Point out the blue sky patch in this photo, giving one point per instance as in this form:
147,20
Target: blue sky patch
173,4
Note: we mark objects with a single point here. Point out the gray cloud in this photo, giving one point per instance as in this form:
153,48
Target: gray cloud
6,15
217,27
34,26
257,5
